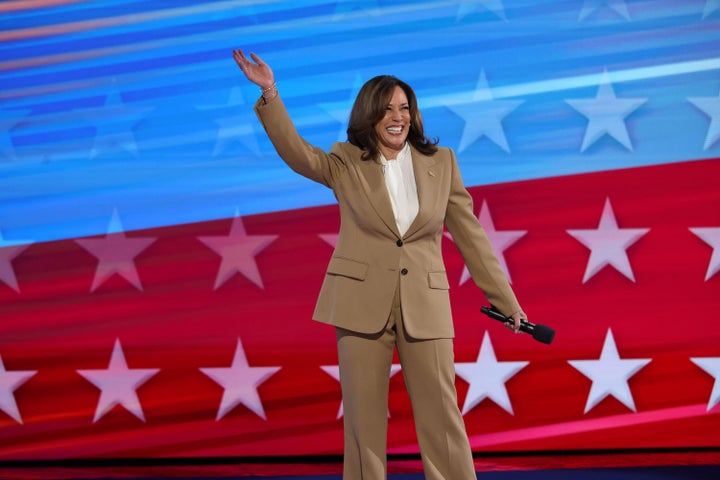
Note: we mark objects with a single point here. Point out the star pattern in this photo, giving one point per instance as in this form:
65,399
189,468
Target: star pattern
118,384
711,366
234,127
238,250
606,114
590,6
468,6
334,372
711,236
711,107
330,238
483,116
240,382
9,250
500,240
609,374
9,382
114,123
710,7
340,111
608,244
116,253
487,378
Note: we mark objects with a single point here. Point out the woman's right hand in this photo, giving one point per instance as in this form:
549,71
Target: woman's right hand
258,73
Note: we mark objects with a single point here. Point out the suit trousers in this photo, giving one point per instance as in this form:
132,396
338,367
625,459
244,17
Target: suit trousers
429,372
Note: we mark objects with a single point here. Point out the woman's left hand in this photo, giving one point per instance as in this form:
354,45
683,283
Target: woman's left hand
516,317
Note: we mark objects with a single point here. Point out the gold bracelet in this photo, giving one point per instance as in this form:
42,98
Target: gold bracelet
269,93
266,90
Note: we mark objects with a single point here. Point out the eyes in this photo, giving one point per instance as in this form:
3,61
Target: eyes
402,108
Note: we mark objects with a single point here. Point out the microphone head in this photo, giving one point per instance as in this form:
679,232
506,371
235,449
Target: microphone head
543,333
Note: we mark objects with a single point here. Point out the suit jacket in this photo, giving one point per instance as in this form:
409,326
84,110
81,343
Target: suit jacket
371,255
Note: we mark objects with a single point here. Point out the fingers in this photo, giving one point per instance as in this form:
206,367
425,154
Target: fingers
243,61
257,59
516,321
240,59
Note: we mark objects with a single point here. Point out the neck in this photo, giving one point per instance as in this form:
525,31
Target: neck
390,153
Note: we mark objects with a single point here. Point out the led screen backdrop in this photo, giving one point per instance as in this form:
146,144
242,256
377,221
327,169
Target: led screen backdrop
159,263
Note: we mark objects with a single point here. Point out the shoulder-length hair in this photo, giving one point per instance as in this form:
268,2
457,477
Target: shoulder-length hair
369,108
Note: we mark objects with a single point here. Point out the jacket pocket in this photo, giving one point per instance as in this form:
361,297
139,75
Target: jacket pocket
438,280
347,268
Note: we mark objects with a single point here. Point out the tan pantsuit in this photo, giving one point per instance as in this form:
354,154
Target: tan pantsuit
429,372
382,288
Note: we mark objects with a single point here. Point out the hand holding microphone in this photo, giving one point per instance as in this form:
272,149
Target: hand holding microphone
541,333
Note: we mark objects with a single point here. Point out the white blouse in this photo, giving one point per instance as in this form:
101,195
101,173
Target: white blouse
400,183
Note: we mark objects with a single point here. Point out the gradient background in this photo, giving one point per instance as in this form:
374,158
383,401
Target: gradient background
142,205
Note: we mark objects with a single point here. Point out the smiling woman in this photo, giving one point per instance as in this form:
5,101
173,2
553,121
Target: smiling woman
385,114
386,285
392,130
141,203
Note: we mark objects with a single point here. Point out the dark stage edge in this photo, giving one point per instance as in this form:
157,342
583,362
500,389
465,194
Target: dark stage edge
635,465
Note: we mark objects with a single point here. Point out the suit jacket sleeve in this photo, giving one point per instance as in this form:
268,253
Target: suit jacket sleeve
302,157
475,247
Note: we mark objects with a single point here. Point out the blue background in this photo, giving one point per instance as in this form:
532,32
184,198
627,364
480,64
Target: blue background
137,106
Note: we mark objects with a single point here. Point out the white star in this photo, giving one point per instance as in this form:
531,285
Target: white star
334,371
234,127
115,253
710,7
609,374
483,116
500,240
608,243
238,251
240,382
118,384
340,111
8,251
114,123
711,236
711,107
589,6
329,238
467,6
487,378
9,382
711,365
606,114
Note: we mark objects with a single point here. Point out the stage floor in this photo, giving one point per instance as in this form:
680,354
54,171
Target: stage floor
703,465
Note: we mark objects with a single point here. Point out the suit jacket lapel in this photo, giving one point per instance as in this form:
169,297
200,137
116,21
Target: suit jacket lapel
377,194
426,180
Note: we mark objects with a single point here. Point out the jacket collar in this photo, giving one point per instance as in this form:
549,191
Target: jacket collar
426,179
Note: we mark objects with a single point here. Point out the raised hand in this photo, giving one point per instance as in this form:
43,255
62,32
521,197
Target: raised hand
258,73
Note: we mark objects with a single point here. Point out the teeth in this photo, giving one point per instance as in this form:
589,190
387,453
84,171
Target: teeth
394,129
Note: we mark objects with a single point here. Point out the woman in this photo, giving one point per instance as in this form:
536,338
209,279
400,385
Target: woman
386,285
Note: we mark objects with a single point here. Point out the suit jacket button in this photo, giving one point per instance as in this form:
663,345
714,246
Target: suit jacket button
404,271
399,243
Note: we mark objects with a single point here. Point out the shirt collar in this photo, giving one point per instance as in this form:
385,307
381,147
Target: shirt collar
403,156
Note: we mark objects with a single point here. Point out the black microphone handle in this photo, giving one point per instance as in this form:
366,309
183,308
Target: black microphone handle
525,326
541,333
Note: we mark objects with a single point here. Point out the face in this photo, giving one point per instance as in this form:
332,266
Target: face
392,130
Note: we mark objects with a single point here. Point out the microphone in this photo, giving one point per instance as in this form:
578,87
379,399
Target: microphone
541,333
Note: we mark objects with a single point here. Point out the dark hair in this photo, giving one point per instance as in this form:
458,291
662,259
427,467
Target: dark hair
369,108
